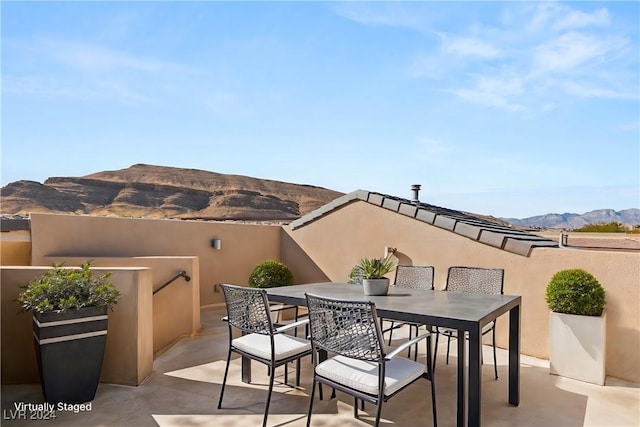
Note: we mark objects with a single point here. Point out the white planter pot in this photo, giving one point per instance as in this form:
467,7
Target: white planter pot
577,346
375,286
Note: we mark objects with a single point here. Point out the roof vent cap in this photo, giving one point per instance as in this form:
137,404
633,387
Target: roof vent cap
416,191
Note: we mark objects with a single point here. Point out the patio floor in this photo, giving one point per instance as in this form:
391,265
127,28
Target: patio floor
184,388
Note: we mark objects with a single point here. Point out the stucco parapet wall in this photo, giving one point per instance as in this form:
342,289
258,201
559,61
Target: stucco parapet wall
461,223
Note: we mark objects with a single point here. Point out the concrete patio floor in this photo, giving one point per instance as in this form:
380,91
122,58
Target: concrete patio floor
184,388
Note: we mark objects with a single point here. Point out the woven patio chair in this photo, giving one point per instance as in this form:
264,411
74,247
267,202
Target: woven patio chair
411,277
361,364
248,312
473,280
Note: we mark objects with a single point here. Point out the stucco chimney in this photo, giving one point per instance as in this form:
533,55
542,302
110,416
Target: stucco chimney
416,190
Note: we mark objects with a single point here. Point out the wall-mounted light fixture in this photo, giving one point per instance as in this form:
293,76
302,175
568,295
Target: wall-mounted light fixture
388,250
216,244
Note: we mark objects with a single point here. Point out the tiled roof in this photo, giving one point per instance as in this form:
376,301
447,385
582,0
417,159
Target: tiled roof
472,227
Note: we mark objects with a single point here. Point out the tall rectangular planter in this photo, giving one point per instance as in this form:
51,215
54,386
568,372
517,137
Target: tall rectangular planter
577,346
70,349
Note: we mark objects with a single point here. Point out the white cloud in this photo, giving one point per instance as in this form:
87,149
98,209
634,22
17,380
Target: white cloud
429,66
451,57
577,89
79,70
93,57
544,13
562,53
498,92
570,51
508,86
559,17
487,98
630,127
516,73
579,19
467,46
50,86
434,147
86,56
384,14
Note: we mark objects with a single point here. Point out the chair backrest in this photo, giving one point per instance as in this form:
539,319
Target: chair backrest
348,328
414,276
475,280
248,309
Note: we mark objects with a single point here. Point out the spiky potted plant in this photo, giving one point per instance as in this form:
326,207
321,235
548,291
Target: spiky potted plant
372,271
70,311
577,326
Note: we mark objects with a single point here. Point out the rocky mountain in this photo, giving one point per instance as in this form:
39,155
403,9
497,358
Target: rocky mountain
147,191
165,192
571,221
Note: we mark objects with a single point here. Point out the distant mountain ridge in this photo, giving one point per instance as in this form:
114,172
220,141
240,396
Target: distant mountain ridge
165,192
571,221
149,191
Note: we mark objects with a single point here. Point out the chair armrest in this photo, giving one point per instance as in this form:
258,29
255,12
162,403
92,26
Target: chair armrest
291,326
406,344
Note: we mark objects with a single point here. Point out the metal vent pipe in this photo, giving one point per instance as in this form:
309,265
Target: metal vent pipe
416,191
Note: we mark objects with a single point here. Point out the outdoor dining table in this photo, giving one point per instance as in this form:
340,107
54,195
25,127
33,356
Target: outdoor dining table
465,312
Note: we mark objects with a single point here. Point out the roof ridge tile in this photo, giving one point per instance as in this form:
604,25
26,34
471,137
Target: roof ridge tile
464,224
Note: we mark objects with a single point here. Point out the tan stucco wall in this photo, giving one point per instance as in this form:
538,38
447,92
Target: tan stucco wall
129,352
338,240
15,247
169,323
243,245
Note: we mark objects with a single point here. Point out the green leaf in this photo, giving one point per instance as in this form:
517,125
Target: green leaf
67,288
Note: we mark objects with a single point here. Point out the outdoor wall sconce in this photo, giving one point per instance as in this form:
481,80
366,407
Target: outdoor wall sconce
216,244
388,250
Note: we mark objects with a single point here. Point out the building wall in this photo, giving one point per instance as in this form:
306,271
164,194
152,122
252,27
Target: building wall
243,246
338,240
15,247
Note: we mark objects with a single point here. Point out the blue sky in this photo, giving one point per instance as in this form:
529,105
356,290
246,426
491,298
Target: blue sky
512,109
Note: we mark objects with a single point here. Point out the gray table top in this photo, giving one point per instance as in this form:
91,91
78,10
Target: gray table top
436,308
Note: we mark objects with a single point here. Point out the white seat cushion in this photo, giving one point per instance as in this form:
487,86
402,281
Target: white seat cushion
259,345
363,376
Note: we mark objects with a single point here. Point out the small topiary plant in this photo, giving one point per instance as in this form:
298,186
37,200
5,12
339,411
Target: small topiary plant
575,292
269,274
61,289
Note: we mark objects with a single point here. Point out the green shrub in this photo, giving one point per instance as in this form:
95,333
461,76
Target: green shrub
575,292
67,288
269,274
611,227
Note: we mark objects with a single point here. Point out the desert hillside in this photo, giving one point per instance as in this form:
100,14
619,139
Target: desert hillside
166,192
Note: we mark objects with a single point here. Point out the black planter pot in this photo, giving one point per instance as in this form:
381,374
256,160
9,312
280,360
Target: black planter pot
70,350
